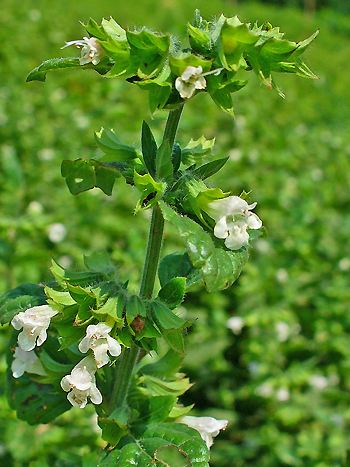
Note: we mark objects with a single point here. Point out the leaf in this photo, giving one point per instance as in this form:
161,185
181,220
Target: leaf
135,307
200,40
110,310
178,265
59,297
219,267
149,149
159,92
175,339
83,278
99,261
196,150
151,191
165,367
180,62
39,73
82,175
209,169
173,293
110,144
164,166
20,299
164,317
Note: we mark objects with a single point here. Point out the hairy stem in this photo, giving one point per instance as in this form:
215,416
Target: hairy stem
130,356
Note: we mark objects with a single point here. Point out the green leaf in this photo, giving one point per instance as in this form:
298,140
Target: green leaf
111,431
165,367
82,175
196,149
154,386
151,191
83,278
149,149
39,73
59,297
177,265
219,267
164,317
20,299
175,339
53,366
159,92
94,29
173,293
164,165
109,309
135,307
209,169
113,29
179,63
200,39
110,144
99,261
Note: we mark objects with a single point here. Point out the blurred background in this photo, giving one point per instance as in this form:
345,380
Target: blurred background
280,370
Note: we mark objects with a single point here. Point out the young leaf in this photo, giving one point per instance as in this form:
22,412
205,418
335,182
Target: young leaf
151,191
149,149
110,144
39,73
166,366
178,265
135,307
164,317
173,292
209,169
164,166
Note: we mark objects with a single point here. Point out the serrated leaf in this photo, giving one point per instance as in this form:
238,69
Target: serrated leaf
151,191
173,292
164,317
20,299
135,307
149,148
110,144
200,39
219,267
209,169
99,261
178,265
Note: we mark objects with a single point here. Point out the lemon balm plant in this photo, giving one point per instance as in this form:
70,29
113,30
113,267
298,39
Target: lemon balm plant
85,338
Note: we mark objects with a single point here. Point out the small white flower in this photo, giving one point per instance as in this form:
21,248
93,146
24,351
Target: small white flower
91,50
233,218
34,207
100,342
190,80
319,382
282,394
264,390
282,276
283,331
208,427
34,322
81,384
26,362
344,264
56,232
235,323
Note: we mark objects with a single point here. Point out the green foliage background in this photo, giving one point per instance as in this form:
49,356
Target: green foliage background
293,155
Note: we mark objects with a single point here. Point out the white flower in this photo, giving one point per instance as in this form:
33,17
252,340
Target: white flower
233,218
81,384
282,394
56,232
283,331
264,390
190,80
34,322
208,427
235,323
319,382
100,342
282,276
91,50
26,362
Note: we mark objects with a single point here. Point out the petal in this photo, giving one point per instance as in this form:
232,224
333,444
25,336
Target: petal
200,83
253,221
95,395
227,206
42,337
17,321
81,378
66,383
77,398
237,238
100,354
17,368
113,346
84,344
221,229
189,72
26,341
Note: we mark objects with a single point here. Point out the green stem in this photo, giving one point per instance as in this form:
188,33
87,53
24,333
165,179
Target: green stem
130,356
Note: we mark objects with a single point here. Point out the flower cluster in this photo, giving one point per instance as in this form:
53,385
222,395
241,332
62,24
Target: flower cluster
80,384
34,323
233,218
208,427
